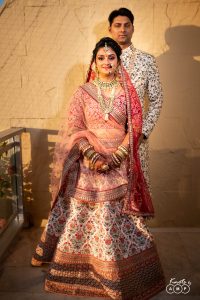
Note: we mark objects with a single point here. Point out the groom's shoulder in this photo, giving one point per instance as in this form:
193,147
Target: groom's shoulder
142,55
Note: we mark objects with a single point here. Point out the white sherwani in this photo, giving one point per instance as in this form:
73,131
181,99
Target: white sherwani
145,77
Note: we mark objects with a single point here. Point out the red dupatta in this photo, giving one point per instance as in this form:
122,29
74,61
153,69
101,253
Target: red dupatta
138,199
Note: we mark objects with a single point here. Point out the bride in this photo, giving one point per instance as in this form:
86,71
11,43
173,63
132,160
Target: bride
96,239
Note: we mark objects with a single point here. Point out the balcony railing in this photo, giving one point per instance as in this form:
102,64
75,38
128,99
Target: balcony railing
11,186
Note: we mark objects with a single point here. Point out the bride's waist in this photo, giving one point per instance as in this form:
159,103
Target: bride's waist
109,134
106,140
111,143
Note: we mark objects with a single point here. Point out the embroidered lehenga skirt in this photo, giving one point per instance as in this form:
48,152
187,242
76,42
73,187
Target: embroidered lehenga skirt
99,253
93,248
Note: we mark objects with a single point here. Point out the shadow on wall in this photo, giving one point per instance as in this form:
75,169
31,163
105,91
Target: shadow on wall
176,188
176,170
37,175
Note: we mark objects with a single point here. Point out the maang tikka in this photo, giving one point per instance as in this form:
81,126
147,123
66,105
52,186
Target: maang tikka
106,47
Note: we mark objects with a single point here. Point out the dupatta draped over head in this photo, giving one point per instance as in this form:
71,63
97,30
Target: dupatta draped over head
67,154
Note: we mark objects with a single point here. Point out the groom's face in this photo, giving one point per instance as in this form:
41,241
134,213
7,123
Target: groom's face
122,30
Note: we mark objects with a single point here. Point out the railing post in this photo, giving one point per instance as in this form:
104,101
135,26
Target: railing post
12,186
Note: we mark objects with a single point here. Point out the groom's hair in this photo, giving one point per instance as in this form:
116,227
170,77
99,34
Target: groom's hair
121,12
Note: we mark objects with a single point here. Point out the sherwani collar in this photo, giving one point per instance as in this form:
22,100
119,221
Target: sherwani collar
129,49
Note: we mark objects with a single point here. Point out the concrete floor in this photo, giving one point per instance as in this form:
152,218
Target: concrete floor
179,253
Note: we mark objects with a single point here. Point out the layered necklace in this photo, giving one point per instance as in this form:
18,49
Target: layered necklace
106,106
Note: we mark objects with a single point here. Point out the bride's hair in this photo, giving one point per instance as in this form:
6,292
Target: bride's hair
110,43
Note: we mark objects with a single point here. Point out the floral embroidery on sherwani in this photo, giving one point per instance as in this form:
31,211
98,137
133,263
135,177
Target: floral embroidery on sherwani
144,75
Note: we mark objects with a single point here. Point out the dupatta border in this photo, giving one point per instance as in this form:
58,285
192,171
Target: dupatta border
138,199
69,174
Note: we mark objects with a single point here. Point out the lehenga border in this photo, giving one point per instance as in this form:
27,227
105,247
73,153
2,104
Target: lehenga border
100,196
137,277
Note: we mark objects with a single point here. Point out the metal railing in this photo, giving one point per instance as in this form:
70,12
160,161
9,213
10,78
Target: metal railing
11,186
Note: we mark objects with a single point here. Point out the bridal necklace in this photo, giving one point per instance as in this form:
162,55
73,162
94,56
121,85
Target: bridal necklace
106,106
106,85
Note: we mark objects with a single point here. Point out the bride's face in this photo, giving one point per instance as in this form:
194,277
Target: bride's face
106,62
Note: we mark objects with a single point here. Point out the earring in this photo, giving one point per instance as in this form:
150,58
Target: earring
94,67
116,71
96,71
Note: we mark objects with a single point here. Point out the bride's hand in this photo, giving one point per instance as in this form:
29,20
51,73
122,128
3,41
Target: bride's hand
101,165
110,163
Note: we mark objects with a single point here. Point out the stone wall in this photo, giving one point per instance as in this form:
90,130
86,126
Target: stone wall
45,50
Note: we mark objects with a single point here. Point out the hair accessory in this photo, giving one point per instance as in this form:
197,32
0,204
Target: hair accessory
106,47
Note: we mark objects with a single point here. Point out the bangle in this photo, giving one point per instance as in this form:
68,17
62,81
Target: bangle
94,158
89,153
88,147
116,160
83,143
123,149
120,154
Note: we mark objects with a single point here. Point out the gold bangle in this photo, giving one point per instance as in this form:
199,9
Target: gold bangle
120,154
116,160
92,154
123,149
95,158
89,154
84,150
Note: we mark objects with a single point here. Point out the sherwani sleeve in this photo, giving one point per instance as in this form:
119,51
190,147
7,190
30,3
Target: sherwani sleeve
155,95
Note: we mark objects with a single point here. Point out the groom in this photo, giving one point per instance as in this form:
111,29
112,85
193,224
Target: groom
144,75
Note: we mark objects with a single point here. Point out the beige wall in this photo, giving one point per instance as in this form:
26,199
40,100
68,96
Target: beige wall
44,53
